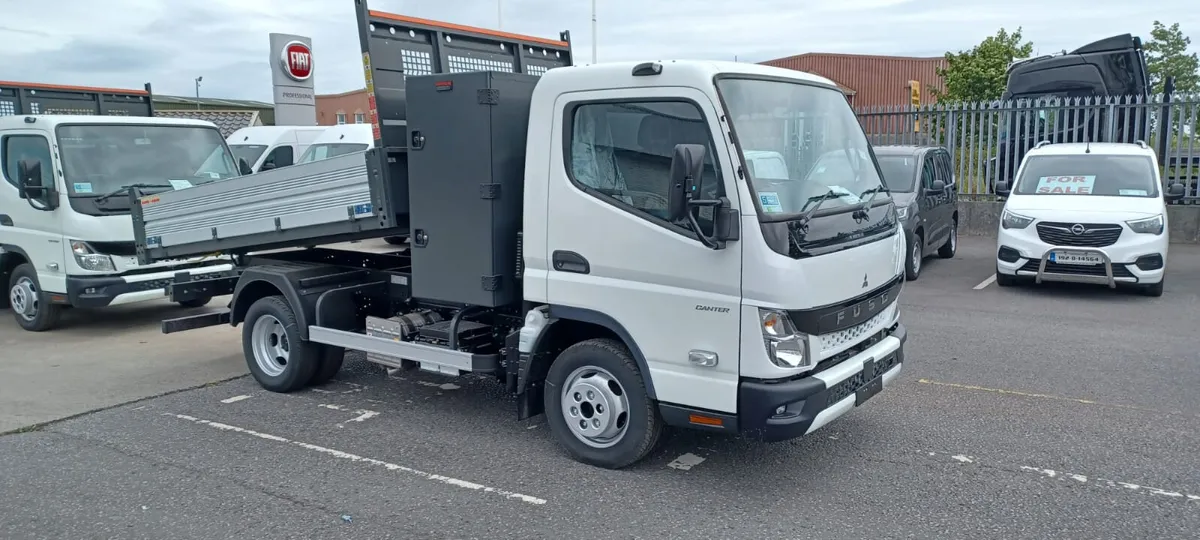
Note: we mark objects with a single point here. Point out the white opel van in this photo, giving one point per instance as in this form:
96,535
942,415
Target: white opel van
270,147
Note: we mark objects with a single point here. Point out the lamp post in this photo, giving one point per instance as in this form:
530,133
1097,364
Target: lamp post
198,79
593,31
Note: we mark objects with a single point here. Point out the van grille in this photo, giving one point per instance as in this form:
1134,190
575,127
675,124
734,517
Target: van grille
1091,235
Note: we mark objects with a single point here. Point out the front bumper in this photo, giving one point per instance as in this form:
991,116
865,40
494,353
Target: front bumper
814,400
1021,252
102,291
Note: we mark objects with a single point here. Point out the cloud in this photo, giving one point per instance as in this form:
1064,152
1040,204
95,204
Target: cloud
170,43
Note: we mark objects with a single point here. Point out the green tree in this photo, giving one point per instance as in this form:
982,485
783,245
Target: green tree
1166,56
980,74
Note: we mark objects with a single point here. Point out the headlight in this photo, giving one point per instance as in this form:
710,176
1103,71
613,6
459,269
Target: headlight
786,347
1152,225
88,259
1009,220
902,213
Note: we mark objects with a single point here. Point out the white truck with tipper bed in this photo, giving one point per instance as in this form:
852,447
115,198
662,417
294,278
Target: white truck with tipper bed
589,237
66,238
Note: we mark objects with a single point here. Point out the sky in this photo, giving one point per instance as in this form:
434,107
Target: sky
169,43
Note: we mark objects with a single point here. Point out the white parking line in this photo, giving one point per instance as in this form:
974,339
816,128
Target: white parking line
235,399
991,279
360,459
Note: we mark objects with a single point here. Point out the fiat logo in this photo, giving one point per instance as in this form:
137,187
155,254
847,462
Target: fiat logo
1077,229
296,61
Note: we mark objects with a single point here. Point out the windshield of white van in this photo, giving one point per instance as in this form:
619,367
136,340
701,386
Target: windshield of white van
815,132
317,152
98,159
248,152
1088,174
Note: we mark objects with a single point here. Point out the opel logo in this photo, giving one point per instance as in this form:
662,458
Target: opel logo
1077,229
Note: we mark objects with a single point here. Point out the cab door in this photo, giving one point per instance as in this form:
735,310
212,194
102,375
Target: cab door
614,259
36,233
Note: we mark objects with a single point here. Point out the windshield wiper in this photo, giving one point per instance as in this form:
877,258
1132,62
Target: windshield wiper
807,216
125,189
861,211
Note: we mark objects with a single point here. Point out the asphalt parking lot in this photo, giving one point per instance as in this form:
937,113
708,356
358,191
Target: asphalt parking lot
1031,412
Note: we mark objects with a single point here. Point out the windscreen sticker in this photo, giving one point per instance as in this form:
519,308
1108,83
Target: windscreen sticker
1136,192
770,202
1073,185
180,184
83,187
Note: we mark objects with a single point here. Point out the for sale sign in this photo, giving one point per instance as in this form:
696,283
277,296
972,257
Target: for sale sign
1067,185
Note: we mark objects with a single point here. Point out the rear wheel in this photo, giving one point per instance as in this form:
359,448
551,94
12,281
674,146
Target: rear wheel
30,306
395,240
948,249
278,359
195,302
912,265
331,362
597,406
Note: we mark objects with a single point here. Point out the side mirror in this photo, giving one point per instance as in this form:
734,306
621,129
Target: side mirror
687,166
267,166
1175,191
938,186
1002,188
244,167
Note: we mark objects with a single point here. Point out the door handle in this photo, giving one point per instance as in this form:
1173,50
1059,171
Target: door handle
569,261
5,220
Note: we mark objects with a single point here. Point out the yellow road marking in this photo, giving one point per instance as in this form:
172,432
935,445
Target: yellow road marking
1051,397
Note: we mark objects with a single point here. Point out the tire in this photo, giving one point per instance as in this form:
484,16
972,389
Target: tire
1155,289
589,362
1005,280
267,321
331,362
395,240
195,302
29,303
948,249
913,257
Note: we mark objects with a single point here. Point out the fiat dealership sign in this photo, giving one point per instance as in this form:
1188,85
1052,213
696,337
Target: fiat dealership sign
296,60
292,78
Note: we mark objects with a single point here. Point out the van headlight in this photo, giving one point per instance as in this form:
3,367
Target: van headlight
1009,220
1151,225
89,259
786,347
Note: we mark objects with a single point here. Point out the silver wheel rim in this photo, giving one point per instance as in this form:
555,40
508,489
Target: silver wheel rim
595,407
954,237
24,298
270,344
916,255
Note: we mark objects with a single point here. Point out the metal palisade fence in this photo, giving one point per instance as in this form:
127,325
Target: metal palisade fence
988,139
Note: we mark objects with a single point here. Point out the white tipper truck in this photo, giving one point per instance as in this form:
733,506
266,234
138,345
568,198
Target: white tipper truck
588,235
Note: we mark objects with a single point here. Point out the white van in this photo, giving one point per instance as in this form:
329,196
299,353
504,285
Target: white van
66,235
270,147
338,140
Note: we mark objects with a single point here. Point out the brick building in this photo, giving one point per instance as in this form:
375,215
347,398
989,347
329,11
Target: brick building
344,108
871,80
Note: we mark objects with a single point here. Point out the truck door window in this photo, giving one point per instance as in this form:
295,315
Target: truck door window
19,147
622,153
928,174
280,157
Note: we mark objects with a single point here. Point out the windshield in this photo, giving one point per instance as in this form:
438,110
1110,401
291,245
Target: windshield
101,158
1088,174
899,172
317,152
248,152
815,133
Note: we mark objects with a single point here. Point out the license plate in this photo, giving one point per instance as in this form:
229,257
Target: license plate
1075,257
868,391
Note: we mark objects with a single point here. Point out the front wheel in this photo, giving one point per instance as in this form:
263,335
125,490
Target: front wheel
597,406
948,249
195,302
1154,289
912,265
278,359
1005,280
32,309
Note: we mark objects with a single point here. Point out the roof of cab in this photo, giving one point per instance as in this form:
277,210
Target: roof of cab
58,119
901,149
1101,148
674,72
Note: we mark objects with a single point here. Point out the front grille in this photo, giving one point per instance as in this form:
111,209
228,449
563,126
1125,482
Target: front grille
851,385
1093,235
1119,270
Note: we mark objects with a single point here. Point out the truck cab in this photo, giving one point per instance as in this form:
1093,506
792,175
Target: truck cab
66,237
271,147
